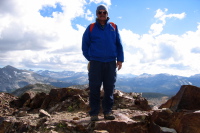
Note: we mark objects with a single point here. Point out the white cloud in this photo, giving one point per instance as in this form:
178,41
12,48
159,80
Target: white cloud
157,28
164,53
30,40
107,2
89,16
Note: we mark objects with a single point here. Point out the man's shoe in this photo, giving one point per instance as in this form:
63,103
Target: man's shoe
109,116
94,118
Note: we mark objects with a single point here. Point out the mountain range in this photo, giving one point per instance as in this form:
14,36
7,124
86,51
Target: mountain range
12,78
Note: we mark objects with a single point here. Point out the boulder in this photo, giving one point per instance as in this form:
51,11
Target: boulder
181,112
37,101
186,121
187,98
24,100
132,101
65,99
43,113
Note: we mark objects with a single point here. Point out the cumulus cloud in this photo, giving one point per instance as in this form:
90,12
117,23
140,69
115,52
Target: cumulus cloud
162,53
5,7
107,2
196,50
89,16
161,16
29,39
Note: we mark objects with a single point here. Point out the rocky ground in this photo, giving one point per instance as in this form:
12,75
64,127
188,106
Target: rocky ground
65,111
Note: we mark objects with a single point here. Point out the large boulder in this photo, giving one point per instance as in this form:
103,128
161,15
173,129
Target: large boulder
186,121
181,112
187,98
24,100
133,101
183,122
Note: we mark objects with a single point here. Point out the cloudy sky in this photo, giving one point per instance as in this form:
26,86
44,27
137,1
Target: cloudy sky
158,36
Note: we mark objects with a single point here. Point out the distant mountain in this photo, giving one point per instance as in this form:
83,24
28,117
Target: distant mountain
34,88
78,78
195,79
150,95
12,78
160,83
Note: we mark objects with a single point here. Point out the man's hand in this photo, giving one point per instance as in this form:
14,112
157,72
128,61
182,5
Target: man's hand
88,66
119,65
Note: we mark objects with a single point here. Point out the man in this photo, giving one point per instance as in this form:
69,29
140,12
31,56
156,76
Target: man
101,45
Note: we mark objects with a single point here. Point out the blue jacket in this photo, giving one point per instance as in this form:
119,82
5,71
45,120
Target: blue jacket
102,44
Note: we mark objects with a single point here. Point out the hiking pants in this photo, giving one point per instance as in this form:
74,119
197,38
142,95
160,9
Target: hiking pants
101,72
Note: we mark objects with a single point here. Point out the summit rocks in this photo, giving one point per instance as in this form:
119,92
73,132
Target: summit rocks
186,110
65,110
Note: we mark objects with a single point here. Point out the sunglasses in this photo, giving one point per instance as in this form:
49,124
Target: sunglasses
102,12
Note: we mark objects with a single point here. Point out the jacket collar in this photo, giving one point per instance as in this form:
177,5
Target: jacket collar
100,24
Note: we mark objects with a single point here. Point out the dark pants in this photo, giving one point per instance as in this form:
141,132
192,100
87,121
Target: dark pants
101,72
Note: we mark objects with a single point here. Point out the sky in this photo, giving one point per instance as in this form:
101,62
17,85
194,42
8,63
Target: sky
158,36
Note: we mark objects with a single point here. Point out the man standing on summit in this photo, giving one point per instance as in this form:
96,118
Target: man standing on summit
101,46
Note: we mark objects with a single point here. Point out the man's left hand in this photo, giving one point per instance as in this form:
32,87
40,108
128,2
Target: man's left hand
119,65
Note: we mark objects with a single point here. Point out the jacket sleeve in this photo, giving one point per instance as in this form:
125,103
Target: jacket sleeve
120,52
86,43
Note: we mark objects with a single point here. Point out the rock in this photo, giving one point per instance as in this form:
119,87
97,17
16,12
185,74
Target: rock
162,117
24,100
187,98
37,101
186,122
22,113
142,103
76,118
143,117
65,99
132,101
121,126
100,131
11,124
183,114
5,99
120,116
167,130
52,131
65,110
154,128
43,113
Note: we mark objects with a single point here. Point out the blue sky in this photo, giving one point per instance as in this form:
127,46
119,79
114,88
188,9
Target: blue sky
158,36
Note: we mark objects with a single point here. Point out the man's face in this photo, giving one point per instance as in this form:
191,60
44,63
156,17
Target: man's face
102,15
